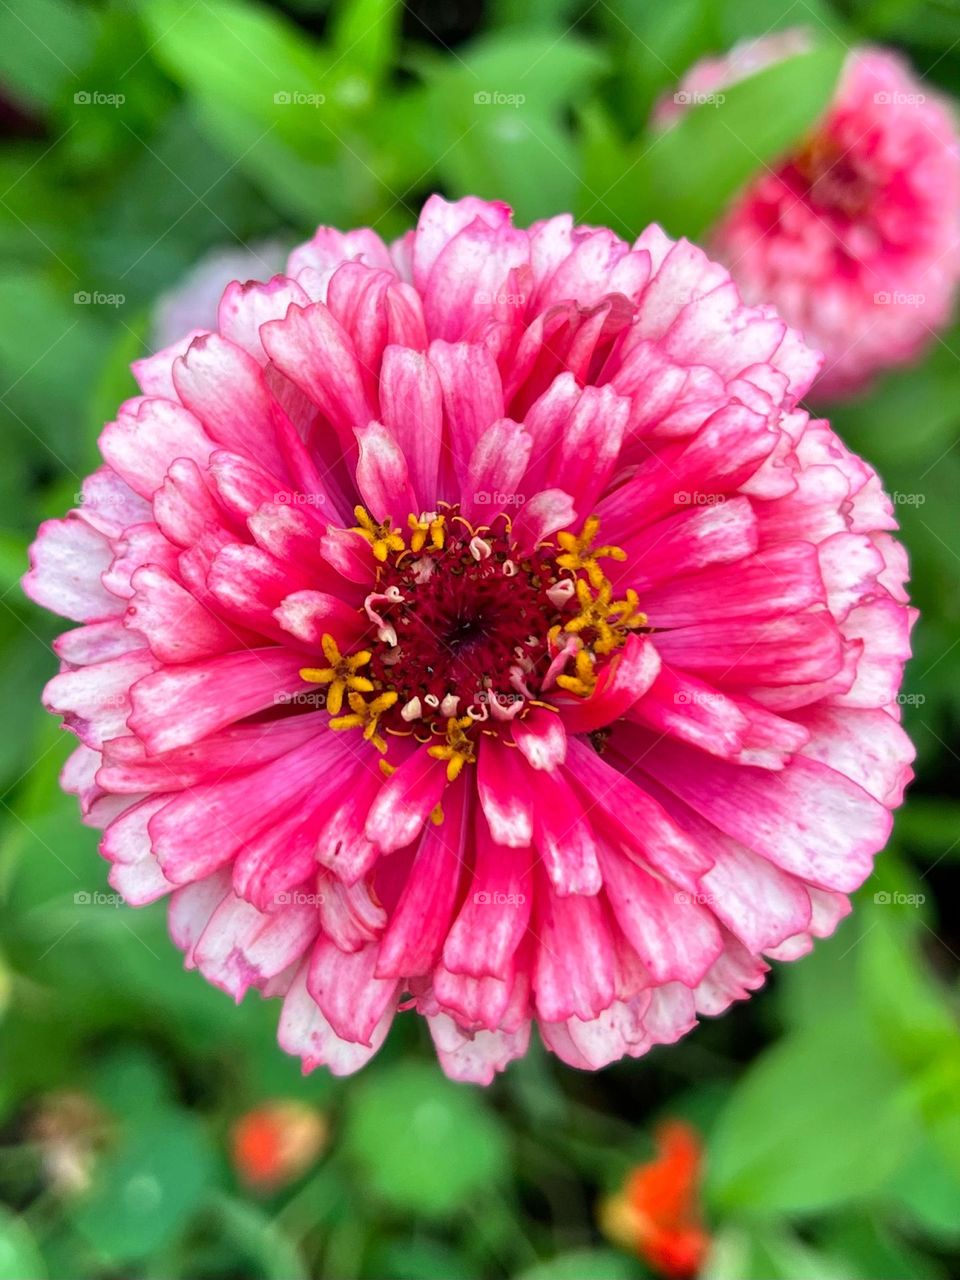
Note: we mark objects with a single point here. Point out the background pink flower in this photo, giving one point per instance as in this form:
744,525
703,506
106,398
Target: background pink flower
477,626
854,238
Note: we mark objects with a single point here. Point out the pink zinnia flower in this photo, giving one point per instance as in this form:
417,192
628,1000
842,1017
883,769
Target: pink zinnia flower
855,238
477,627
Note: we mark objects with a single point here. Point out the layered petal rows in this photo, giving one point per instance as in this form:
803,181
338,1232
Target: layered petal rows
476,626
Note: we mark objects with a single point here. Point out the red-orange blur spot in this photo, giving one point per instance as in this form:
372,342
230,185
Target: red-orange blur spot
276,1143
657,1212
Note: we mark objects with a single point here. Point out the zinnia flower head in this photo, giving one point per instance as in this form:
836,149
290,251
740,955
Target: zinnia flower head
656,1213
855,237
476,627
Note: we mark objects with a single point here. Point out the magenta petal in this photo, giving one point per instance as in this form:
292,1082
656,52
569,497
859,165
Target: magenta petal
414,938
347,991
175,707
405,801
505,795
625,680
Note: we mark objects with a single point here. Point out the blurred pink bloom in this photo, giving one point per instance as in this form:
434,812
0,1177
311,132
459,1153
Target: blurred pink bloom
194,301
476,626
855,238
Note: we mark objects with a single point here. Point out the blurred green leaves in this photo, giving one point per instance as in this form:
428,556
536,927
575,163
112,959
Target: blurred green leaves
20,1258
423,1144
146,1190
684,175
800,1133
495,115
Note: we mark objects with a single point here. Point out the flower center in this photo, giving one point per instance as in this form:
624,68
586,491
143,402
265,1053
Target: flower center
832,180
468,631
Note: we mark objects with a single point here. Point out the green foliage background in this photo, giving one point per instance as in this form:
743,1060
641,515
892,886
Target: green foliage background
830,1102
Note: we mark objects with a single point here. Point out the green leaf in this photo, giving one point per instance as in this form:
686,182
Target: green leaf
928,1189
685,175
365,35
654,45
497,120
746,19
923,395
800,1131
930,827
259,1238
907,1007
147,1192
419,1258
423,1144
53,335
19,1256
739,1254
877,1254
585,1264
44,45
252,64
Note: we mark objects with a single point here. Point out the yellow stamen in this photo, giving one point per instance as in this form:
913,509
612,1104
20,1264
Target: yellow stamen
584,681
341,675
382,537
458,749
365,716
429,525
581,556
